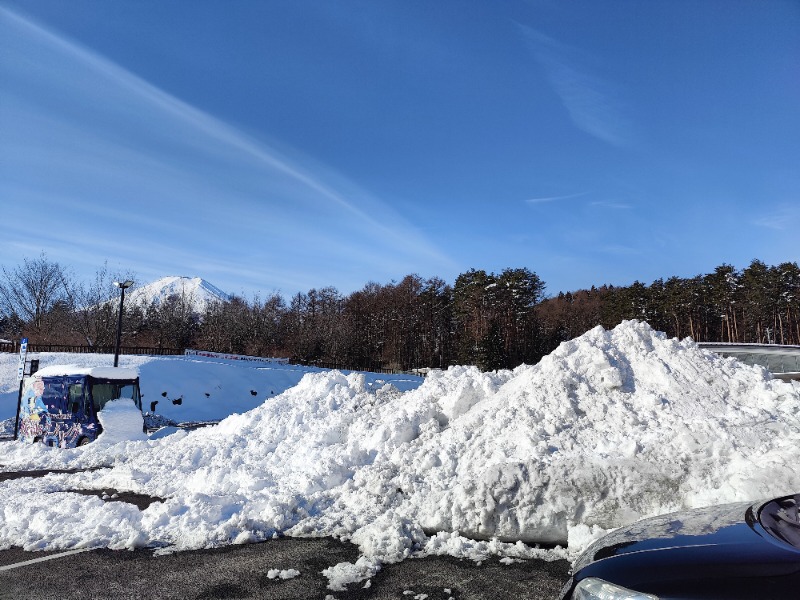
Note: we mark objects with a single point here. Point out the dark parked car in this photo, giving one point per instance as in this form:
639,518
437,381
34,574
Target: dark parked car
731,552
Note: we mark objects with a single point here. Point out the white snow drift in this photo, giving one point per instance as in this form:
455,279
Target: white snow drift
612,426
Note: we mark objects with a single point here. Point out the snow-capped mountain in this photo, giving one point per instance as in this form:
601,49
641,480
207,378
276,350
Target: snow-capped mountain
199,292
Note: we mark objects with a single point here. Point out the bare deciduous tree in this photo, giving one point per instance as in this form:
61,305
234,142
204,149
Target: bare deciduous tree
95,306
35,293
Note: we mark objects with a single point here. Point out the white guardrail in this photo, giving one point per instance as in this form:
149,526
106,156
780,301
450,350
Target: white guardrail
242,357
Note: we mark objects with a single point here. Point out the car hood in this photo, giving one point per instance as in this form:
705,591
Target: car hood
707,536
720,553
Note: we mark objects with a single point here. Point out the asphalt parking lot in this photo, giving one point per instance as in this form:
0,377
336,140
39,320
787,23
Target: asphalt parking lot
244,572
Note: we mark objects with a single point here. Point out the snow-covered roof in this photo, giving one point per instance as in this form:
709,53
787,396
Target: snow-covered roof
98,372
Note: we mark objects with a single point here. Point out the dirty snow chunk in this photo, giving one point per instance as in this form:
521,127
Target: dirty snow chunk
453,544
282,574
122,422
344,573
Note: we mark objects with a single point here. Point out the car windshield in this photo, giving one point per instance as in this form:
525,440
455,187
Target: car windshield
781,518
103,391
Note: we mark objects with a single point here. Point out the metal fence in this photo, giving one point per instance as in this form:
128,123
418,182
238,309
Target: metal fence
14,348
342,367
782,361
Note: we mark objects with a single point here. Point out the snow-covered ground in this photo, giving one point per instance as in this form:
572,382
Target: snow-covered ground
612,426
187,388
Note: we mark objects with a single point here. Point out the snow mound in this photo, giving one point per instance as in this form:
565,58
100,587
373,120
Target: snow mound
122,421
610,427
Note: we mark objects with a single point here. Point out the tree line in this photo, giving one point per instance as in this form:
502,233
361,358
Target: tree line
492,320
759,304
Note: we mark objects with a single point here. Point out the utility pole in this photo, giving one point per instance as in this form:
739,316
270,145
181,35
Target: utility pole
122,285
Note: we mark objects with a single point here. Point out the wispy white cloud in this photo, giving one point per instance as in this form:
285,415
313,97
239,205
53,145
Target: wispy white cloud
619,250
781,219
546,199
612,205
127,146
201,121
593,103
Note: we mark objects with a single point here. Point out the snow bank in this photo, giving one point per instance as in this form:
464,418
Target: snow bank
612,426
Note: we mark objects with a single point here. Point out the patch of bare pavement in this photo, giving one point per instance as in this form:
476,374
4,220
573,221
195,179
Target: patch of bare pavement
243,571
6,475
141,501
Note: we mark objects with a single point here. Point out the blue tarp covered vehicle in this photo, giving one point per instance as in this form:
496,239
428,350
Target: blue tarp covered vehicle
59,404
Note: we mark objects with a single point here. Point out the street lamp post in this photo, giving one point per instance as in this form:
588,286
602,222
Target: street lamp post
122,285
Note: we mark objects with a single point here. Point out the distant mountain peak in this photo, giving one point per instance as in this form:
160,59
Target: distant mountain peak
197,290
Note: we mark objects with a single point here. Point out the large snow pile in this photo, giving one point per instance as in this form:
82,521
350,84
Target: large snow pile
612,426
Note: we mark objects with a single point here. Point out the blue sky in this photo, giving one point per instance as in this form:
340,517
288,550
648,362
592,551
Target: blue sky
289,145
